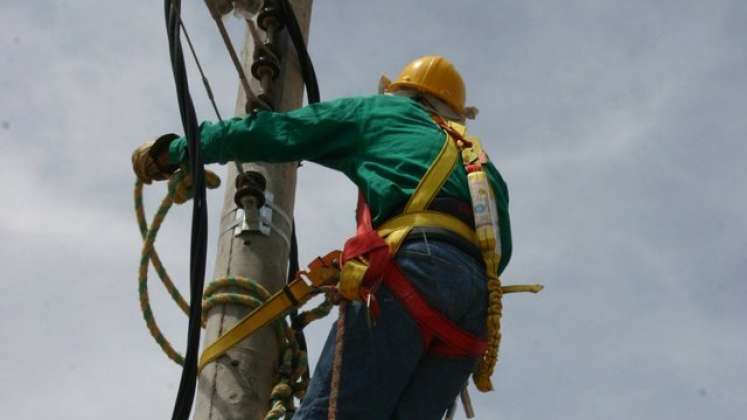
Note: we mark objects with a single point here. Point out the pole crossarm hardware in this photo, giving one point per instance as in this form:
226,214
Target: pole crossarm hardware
253,102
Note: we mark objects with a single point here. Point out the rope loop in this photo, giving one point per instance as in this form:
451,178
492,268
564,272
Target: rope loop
293,370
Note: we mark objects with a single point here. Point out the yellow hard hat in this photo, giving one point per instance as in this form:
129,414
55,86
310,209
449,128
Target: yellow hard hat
435,75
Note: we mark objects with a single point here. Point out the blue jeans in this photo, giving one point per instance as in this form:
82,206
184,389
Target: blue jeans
386,372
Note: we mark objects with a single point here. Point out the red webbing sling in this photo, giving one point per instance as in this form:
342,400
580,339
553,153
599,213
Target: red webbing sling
440,335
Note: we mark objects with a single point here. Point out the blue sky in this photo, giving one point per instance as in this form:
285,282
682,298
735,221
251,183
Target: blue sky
619,129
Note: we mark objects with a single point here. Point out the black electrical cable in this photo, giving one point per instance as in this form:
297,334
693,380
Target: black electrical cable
304,60
312,94
293,265
198,247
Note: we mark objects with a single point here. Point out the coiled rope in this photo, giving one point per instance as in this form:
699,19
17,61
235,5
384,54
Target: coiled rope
493,323
293,371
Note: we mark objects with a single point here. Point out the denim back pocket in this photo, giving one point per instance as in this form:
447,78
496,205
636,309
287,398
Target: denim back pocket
450,280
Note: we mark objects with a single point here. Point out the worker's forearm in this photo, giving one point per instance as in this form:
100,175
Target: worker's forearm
248,139
324,131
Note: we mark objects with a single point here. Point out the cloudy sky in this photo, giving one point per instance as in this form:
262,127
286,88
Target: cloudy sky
619,127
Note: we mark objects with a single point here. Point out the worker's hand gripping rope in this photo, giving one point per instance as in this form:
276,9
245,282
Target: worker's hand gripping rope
151,161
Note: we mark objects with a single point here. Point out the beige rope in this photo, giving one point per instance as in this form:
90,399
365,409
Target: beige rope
337,363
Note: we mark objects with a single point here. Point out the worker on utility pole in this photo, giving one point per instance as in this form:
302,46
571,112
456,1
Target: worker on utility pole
424,313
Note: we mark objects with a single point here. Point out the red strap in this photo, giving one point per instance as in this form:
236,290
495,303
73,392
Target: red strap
440,335
457,136
363,215
362,244
366,239
367,243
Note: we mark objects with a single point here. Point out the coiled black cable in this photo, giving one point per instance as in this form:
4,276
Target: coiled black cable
198,246
312,96
304,60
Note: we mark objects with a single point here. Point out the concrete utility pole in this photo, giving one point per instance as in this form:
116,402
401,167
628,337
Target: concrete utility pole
237,387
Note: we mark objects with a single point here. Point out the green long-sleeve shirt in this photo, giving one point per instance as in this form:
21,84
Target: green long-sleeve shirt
383,143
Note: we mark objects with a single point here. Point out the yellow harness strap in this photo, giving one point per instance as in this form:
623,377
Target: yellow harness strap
434,177
294,294
396,229
321,272
486,235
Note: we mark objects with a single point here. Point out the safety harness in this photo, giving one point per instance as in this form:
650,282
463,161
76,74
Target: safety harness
366,262
367,259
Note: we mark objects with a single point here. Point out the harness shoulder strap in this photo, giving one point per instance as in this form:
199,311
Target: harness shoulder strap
415,214
437,174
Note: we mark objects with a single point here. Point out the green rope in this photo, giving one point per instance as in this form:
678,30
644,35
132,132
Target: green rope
157,265
293,372
292,377
319,312
148,253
